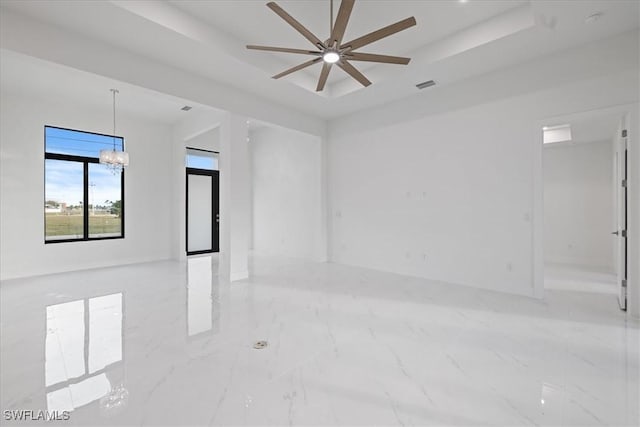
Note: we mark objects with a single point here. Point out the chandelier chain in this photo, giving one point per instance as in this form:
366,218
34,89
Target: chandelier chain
114,91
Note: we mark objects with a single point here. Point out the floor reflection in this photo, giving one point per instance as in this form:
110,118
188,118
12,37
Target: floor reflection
84,354
187,356
203,313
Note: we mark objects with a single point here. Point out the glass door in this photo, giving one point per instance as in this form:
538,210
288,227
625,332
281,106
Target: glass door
202,202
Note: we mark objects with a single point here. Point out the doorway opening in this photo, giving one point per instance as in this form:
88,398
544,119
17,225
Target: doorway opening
584,160
202,202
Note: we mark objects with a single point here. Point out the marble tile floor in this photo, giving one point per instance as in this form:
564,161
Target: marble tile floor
167,343
579,279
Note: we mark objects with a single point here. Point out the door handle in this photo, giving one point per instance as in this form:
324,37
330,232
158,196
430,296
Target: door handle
615,232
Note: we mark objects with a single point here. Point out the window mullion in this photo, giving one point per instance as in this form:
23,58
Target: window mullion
85,205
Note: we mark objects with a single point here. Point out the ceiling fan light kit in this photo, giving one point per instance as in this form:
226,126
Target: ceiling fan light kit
334,50
331,56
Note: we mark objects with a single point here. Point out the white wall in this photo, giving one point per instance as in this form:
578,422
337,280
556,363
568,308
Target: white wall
235,197
443,185
578,205
446,197
209,140
148,219
286,178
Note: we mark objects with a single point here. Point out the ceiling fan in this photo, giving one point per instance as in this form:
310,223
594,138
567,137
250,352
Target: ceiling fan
334,50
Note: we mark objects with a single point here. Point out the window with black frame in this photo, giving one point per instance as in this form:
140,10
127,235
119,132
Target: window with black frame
84,199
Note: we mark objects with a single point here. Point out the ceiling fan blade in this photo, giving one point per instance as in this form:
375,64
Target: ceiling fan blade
284,49
341,21
370,57
297,67
295,24
324,74
379,34
351,70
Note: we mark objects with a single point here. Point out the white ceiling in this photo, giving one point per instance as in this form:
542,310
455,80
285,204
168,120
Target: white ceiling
252,22
453,41
30,76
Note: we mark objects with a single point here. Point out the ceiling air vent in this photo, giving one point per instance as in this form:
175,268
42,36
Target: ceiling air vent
426,84
186,108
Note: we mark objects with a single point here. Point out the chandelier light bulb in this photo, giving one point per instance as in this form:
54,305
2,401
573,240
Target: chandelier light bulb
115,160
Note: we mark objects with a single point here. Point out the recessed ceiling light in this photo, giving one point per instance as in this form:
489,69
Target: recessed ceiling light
463,1
593,17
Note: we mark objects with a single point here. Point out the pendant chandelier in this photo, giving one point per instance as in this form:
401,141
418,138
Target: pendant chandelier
115,160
